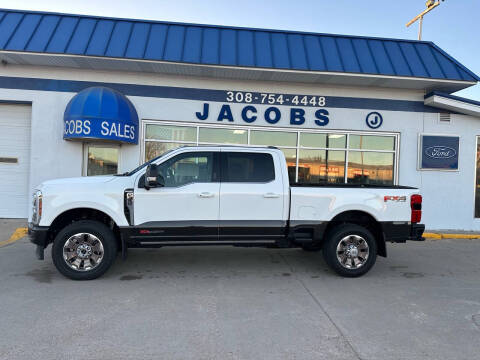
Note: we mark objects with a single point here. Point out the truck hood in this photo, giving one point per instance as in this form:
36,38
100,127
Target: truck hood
79,180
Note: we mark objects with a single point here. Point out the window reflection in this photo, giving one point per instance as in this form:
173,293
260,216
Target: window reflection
291,157
166,132
223,136
321,166
273,138
154,149
187,168
371,142
102,160
330,141
317,162
370,168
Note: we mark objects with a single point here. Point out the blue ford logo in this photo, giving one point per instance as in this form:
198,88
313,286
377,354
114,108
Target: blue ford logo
440,152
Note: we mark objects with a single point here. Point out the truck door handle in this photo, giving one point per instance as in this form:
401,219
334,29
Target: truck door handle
271,195
206,195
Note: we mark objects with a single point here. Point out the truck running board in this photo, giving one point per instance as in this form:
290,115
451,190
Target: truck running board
203,242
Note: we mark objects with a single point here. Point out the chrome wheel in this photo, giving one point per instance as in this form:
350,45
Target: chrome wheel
83,252
352,252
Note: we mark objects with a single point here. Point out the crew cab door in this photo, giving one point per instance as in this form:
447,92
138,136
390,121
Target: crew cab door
186,208
252,197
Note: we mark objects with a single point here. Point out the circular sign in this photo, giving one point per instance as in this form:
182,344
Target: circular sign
374,120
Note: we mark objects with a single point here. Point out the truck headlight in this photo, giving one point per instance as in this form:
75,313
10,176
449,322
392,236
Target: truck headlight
37,207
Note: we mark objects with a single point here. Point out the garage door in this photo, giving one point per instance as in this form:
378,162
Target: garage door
14,160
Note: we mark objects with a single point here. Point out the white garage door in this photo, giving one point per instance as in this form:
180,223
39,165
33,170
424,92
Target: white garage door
14,160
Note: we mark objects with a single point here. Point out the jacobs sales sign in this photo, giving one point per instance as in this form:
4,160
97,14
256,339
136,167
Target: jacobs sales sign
236,107
266,108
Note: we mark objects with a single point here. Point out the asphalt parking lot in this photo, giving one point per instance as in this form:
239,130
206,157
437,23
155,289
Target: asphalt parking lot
422,302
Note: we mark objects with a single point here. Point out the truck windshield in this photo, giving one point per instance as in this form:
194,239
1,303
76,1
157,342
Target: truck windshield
128,173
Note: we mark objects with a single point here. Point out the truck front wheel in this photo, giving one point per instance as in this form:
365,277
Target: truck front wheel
84,250
350,250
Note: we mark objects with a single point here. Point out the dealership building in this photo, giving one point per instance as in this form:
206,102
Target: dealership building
84,95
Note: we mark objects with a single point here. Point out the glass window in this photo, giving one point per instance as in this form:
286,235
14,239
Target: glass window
223,136
273,138
370,168
247,167
477,182
323,140
187,168
321,166
338,141
176,133
154,148
371,157
371,142
291,157
102,160
313,140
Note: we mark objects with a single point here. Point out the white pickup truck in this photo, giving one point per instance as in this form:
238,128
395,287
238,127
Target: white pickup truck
219,195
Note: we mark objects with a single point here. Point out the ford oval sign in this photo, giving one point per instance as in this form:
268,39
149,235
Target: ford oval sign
439,152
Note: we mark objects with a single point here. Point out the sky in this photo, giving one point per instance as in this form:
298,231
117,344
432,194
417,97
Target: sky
453,25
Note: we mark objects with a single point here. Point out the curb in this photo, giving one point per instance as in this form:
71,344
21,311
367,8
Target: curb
436,236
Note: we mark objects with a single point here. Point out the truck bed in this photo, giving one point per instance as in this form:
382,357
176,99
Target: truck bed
371,186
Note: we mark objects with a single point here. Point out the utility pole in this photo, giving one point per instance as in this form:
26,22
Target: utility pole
431,4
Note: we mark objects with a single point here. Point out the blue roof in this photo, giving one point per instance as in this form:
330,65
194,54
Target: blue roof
52,33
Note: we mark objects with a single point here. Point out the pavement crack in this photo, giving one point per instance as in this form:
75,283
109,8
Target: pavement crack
321,307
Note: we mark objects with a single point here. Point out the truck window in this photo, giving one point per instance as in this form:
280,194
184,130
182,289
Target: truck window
247,167
188,168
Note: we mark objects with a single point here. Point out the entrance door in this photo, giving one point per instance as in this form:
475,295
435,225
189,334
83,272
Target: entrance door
251,197
14,160
186,208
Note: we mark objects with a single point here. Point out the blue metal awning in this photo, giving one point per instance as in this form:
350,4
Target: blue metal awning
100,37
101,113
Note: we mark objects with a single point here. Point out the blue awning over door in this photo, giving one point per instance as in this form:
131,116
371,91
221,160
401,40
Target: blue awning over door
101,113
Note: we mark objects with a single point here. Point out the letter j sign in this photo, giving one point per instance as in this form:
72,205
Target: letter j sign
439,152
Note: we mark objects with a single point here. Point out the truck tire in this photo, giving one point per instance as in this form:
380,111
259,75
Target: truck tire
350,250
84,250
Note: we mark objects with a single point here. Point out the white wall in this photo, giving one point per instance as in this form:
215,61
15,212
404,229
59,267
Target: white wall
448,196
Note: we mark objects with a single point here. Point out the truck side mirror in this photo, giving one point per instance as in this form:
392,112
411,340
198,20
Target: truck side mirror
153,178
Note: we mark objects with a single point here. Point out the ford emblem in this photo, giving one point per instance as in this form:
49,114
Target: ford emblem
440,152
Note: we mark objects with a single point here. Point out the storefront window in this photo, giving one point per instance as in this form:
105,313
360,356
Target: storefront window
312,157
101,160
370,168
154,149
291,157
372,142
273,138
330,141
321,166
178,133
223,136
477,181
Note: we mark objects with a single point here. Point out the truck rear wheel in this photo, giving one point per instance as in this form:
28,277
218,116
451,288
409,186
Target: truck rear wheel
350,250
84,250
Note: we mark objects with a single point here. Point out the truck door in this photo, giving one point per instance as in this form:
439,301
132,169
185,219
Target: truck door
187,207
251,197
